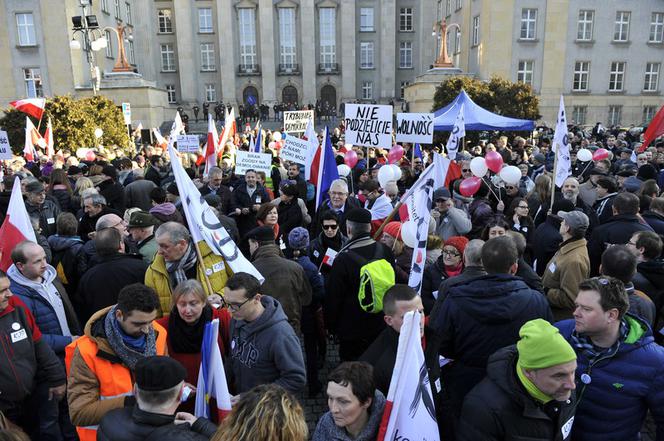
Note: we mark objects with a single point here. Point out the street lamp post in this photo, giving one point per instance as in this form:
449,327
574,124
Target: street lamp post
86,25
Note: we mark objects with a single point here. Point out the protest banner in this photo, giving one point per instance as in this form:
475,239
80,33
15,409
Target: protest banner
369,125
252,161
5,149
295,149
296,121
187,143
415,127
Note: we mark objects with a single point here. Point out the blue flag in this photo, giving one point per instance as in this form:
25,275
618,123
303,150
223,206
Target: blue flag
327,169
418,151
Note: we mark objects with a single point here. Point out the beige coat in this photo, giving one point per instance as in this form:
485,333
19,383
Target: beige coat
566,269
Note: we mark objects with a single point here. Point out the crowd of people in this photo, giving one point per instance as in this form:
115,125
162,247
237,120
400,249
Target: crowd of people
543,312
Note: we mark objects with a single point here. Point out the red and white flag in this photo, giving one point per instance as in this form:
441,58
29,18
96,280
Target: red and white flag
409,412
32,138
328,258
31,106
161,141
16,227
211,377
211,147
48,138
310,136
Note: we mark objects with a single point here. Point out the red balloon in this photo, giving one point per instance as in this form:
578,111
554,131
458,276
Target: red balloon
600,154
90,155
494,161
395,154
469,186
350,158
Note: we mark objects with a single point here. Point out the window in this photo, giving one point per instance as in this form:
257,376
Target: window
247,24
130,52
366,55
33,82
528,24
651,83
579,115
448,8
458,5
210,93
128,12
405,55
287,38
584,30
615,115
648,114
476,30
167,58
170,91
327,18
165,18
617,76
406,20
581,73
26,29
367,90
525,72
104,6
207,57
205,20
656,28
118,12
366,19
402,89
109,44
621,30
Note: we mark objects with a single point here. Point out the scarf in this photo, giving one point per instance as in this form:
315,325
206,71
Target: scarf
177,270
334,242
530,387
185,338
594,353
129,349
453,271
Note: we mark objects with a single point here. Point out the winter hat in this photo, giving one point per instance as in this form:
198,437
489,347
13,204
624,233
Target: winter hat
646,171
541,346
393,229
158,372
289,188
298,238
632,184
359,215
458,242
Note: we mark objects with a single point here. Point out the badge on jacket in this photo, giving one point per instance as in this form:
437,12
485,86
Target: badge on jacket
19,335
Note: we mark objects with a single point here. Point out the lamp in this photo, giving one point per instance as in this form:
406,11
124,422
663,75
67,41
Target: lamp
74,44
92,21
77,21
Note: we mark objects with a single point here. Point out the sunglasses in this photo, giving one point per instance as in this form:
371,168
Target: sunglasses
330,227
464,170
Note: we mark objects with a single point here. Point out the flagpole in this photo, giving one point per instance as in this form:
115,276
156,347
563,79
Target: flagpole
553,180
199,256
412,158
387,219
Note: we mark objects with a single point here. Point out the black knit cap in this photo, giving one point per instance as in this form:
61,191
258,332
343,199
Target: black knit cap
359,215
158,373
261,234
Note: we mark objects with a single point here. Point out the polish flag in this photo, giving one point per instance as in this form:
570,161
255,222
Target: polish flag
211,377
210,154
32,137
161,141
48,138
228,132
16,228
31,106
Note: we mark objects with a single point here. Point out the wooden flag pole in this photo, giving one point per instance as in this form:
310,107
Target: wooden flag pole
387,219
199,256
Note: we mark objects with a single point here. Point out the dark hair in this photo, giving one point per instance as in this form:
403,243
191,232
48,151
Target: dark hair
250,284
651,243
158,195
619,262
107,242
497,220
329,215
657,204
650,188
264,209
137,297
513,206
626,203
608,182
59,177
499,254
397,293
154,159
358,375
611,292
66,224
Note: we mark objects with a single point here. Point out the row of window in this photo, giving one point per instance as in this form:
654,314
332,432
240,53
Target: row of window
614,115
118,10
405,20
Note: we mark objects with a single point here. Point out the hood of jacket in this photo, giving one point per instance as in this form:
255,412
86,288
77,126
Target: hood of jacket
62,243
273,314
49,277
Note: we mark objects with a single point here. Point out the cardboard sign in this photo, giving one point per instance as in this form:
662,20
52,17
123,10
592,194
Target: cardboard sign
5,149
126,112
369,125
188,143
295,149
415,127
252,161
296,121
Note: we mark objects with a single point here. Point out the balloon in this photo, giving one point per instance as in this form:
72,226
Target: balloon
584,155
478,167
90,155
409,233
395,154
494,161
98,132
350,158
276,136
385,174
510,174
80,152
599,154
469,186
397,171
272,145
343,170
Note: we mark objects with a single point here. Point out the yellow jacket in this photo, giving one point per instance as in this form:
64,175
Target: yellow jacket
214,266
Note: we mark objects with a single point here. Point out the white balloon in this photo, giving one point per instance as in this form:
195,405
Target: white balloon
409,233
478,167
510,174
397,172
99,133
385,174
81,152
343,170
276,136
584,155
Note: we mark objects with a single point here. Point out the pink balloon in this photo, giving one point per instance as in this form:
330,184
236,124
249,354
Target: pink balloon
600,154
469,186
395,154
272,145
90,155
350,158
494,161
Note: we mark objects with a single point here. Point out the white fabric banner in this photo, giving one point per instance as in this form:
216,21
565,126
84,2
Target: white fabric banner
560,139
422,208
458,132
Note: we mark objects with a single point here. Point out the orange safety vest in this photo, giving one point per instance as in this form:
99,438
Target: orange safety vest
115,380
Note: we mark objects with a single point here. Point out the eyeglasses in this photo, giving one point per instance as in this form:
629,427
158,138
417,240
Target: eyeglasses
451,253
465,170
330,227
337,193
631,243
236,307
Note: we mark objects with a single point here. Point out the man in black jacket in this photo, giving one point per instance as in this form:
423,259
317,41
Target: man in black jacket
214,186
245,201
38,206
294,174
655,215
339,202
649,277
547,236
528,392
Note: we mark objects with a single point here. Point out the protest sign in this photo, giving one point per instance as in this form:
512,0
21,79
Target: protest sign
415,127
252,161
187,143
126,113
369,125
295,149
5,149
296,121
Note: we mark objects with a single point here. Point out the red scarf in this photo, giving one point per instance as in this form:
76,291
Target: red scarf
454,271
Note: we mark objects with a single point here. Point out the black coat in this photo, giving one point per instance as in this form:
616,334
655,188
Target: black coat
224,194
290,217
87,223
114,194
529,276
316,227
152,174
434,275
649,278
618,230
382,355
656,221
47,213
240,199
546,243
499,408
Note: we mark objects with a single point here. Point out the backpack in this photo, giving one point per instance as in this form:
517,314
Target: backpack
376,277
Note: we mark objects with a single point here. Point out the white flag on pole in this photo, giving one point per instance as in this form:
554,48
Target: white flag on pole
458,132
561,146
422,201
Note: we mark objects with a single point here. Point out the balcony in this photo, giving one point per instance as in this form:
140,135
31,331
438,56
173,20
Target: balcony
328,68
248,69
289,69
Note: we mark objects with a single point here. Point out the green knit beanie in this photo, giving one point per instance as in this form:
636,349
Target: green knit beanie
541,346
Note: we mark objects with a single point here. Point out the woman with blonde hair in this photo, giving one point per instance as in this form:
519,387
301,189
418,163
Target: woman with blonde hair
539,198
265,413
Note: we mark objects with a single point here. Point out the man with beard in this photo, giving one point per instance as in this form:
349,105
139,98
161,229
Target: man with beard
570,191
